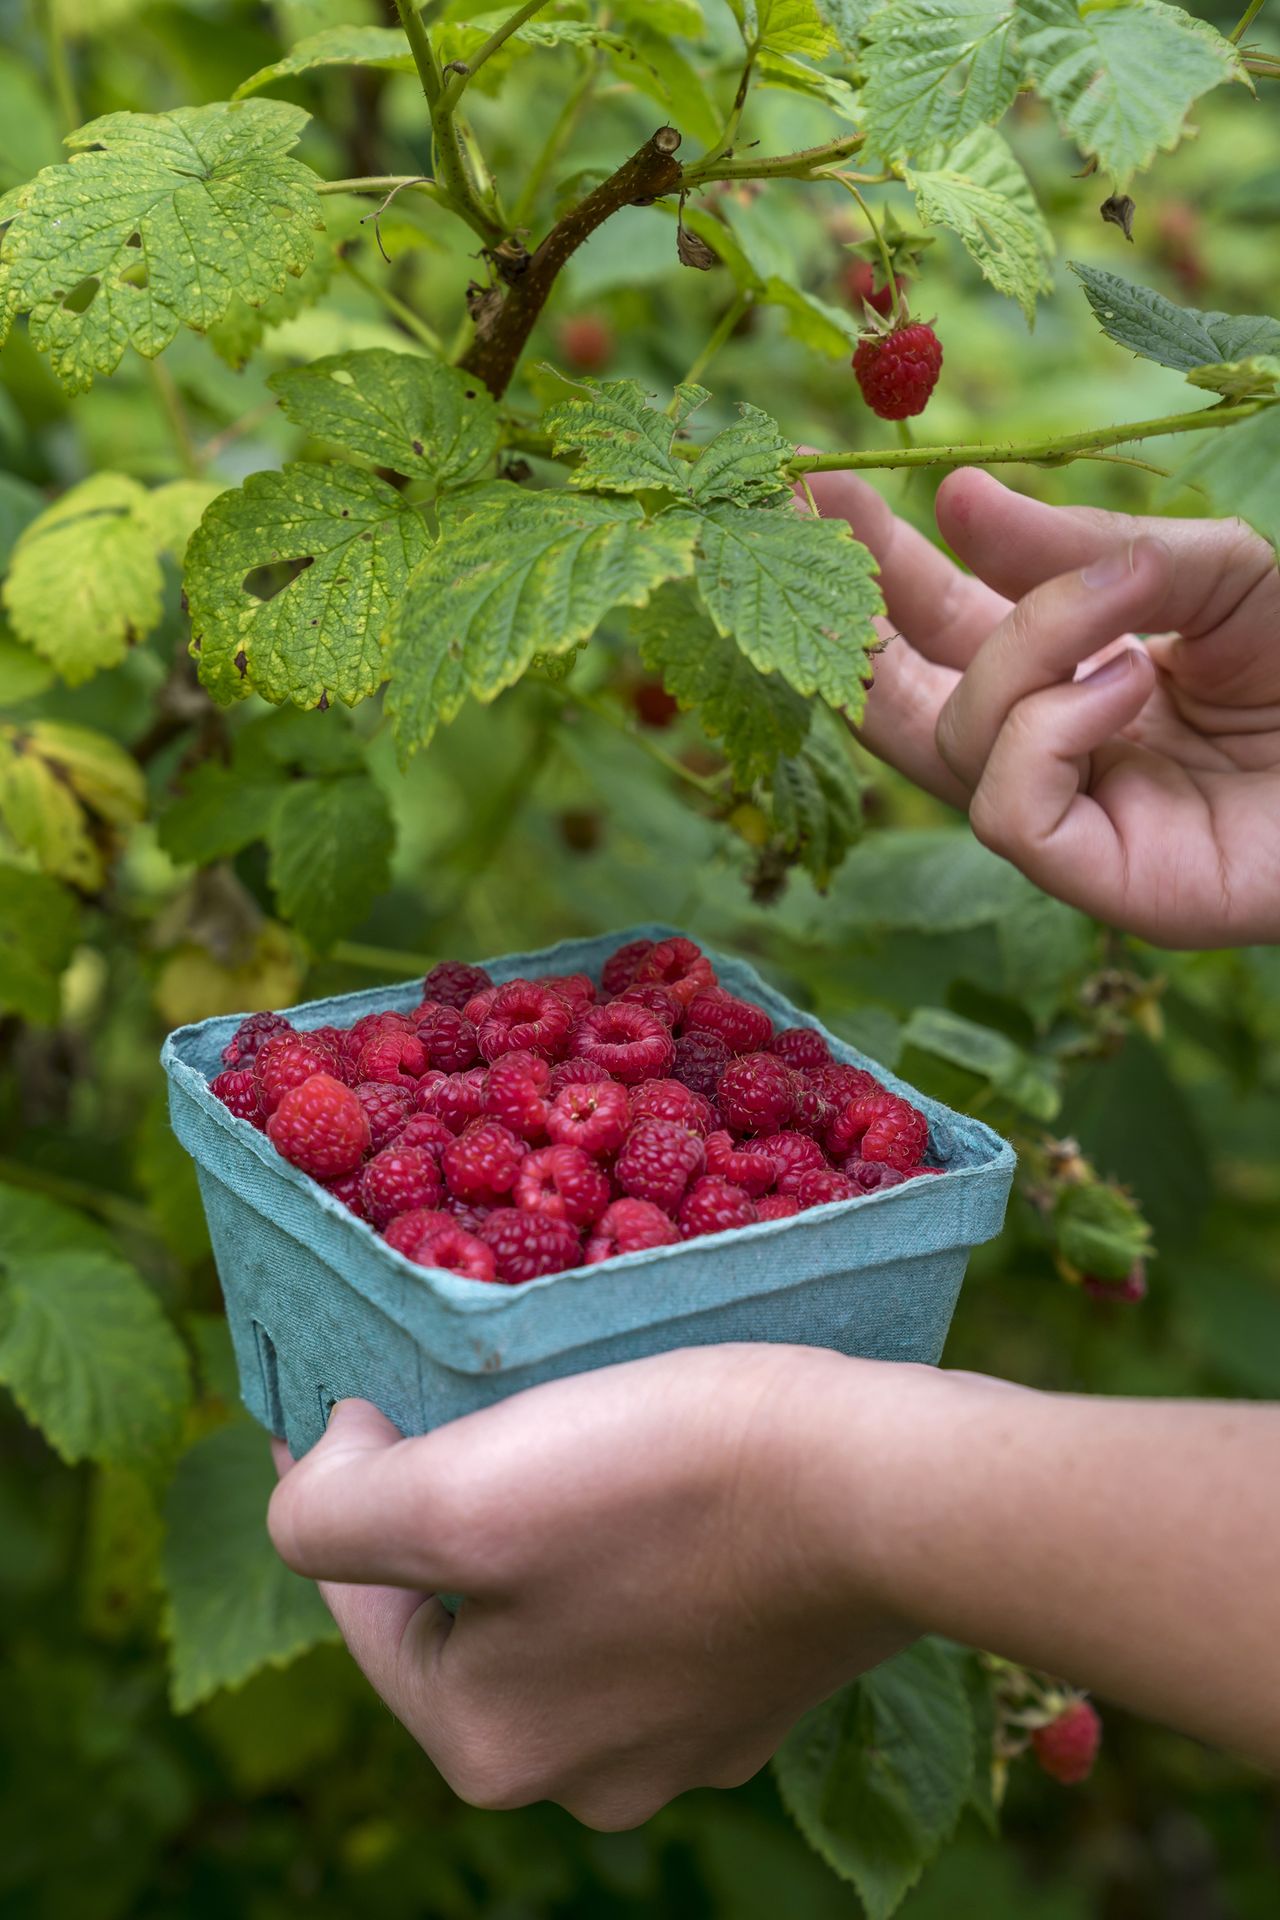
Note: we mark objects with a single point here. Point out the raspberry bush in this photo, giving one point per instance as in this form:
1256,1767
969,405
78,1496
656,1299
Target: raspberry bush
411,571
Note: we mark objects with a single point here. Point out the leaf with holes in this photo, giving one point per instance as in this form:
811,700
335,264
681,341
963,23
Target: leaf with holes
291,580
516,574
1181,337
1122,77
158,221
401,410
330,847
978,190
797,594
932,72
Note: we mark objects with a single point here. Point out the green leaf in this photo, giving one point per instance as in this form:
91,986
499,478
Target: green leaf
877,1777
790,75
1236,467
756,715
817,802
656,66
22,676
158,222
747,463
848,19
1025,1081
85,1348
85,580
331,843
400,410
815,323
172,513
924,880
383,47
515,574
932,71
1100,1231
1122,77
232,1606
352,542
42,817
220,810
980,192
242,327
623,442
1258,377
797,594
785,26
53,777
20,503
1181,337
39,926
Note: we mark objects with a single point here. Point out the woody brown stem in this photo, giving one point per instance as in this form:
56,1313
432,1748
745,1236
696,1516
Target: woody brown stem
650,172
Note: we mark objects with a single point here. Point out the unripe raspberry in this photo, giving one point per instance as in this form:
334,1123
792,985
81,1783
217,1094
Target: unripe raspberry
897,371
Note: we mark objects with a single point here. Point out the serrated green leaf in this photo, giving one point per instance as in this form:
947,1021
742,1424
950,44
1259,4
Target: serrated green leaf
792,75
232,1606
84,1346
815,323
516,574
1181,337
877,1777
683,17
220,810
1100,1231
924,880
847,19
242,327
85,580
39,925
797,594
980,192
747,463
383,47
43,818
1256,377
1122,77
817,802
320,636
623,442
330,845
158,222
1028,1083
757,716
23,676
401,410
1236,468
786,26
932,71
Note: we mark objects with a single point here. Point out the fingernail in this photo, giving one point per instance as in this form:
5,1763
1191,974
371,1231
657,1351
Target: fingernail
1110,570
1111,671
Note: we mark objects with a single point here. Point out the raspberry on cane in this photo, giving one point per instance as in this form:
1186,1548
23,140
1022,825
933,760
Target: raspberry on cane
526,1014
714,1206
657,1163
897,370
452,983
630,1226
619,969
744,1167
388,1108
527,1245
678,965
669,1100
249,1036
239,1092
881,1127
756,1094
564,1183
801,1048
624,1041
744,1028
595,1115
700,1060
320,1127
481,1165
1068,1746
449,1039
285,1060
399,1179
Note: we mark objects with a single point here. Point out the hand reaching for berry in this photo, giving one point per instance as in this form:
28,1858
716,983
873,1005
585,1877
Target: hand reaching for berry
1138,781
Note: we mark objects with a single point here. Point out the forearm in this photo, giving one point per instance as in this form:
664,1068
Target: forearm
1130,1546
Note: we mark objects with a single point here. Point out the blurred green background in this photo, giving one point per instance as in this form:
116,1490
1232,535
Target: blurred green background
535,819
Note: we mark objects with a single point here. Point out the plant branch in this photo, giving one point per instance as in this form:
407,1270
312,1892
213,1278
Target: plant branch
651,172
1242,27
729,133
808,164
886,261
389,184
465,71
450,155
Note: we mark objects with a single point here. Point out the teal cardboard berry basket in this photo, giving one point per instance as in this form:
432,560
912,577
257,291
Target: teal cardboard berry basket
320,1308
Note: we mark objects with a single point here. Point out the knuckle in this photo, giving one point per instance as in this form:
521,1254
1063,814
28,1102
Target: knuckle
490,1780
991,823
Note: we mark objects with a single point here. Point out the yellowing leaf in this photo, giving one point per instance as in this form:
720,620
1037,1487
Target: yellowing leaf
401,410
85,579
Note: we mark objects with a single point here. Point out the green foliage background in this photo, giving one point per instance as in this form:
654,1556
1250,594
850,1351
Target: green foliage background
163,862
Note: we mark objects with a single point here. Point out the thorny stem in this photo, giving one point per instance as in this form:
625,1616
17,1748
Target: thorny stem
457,84
451,159
808,164
408,319
724,145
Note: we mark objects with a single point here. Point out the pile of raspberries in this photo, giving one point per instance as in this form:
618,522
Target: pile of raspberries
503,1132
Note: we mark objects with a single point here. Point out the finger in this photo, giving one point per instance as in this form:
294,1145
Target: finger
282,1457
942,611
1043,641
367,1505
395,1636
1032,804
901,720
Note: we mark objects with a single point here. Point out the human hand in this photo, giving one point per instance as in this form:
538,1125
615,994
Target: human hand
655,1592
1148,792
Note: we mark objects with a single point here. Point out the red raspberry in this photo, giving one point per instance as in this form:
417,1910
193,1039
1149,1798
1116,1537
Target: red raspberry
511,1095
658,1161
814,1110
527,1245
1068,1746
239,1092
821,1185
577,988
387,1107
678,965
793,1154
714,1206
619,969
478,1006
882,1127
335,1037
595,1116
463,1215
700,1060
434,1240
399,1179
656,999
249,1036
482,1163
285,1060
630,1226
1127,1292
408,1229
897,371
564,1183
452,983
872,1176
347,1189
574,1073
424,1130
751,1170
526,1015
756,1094
394,1054
458,1099
777,1206
449,1039
744,1028
669,1100
842,1083
624,1041
371,1024
801,1048
320,1127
